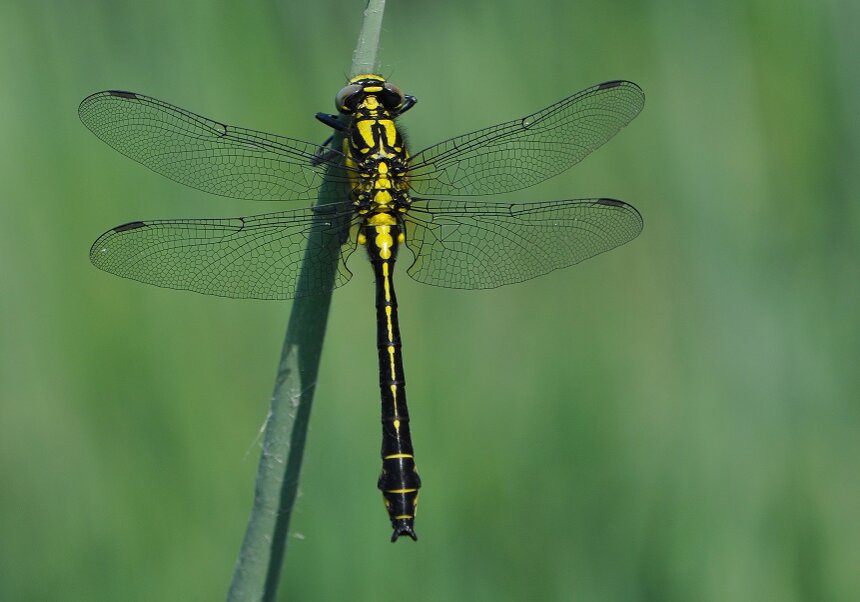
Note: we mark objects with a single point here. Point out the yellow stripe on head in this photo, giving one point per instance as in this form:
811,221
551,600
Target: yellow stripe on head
365,76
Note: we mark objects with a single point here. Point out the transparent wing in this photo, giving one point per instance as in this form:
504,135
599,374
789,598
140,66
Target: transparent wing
255,257
521,153
473,245
205,154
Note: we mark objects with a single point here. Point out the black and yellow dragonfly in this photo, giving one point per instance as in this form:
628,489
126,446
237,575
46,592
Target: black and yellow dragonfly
382,198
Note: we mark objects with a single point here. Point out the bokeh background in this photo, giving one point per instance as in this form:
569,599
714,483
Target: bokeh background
675,420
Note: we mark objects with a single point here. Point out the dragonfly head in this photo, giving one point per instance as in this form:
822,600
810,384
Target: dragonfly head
369,91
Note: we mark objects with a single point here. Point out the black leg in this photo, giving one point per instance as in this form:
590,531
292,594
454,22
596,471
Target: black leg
408,103
333,121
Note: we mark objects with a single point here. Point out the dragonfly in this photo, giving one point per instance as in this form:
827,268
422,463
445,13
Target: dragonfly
377,196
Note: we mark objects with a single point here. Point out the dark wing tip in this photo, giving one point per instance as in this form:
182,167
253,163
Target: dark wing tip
615,83
628,86
84,107
129,226
622,205
123,94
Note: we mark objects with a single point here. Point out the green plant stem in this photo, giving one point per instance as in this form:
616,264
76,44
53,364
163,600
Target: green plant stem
365,57
258,568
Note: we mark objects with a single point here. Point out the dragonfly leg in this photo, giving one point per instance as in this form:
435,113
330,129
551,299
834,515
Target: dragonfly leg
333,121
408,103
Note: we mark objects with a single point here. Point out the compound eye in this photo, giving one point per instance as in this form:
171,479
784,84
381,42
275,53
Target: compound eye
346,100
392,97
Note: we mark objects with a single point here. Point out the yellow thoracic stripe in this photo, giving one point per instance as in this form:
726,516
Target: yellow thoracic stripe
390,131
400,490
398,456
365,129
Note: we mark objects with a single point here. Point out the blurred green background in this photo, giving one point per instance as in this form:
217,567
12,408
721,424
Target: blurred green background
675,420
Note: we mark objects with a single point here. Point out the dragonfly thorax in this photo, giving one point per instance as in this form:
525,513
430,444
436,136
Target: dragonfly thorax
375,151
381,187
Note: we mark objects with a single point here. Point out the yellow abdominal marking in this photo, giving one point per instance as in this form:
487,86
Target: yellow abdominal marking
393,372
398,456
394,403
387,288
401,491
384,242
390,325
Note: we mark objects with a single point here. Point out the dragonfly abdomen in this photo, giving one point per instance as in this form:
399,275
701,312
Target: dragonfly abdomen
399,480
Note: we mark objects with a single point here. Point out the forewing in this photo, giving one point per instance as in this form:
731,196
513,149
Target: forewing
475,245
521,153
205,154
255,257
